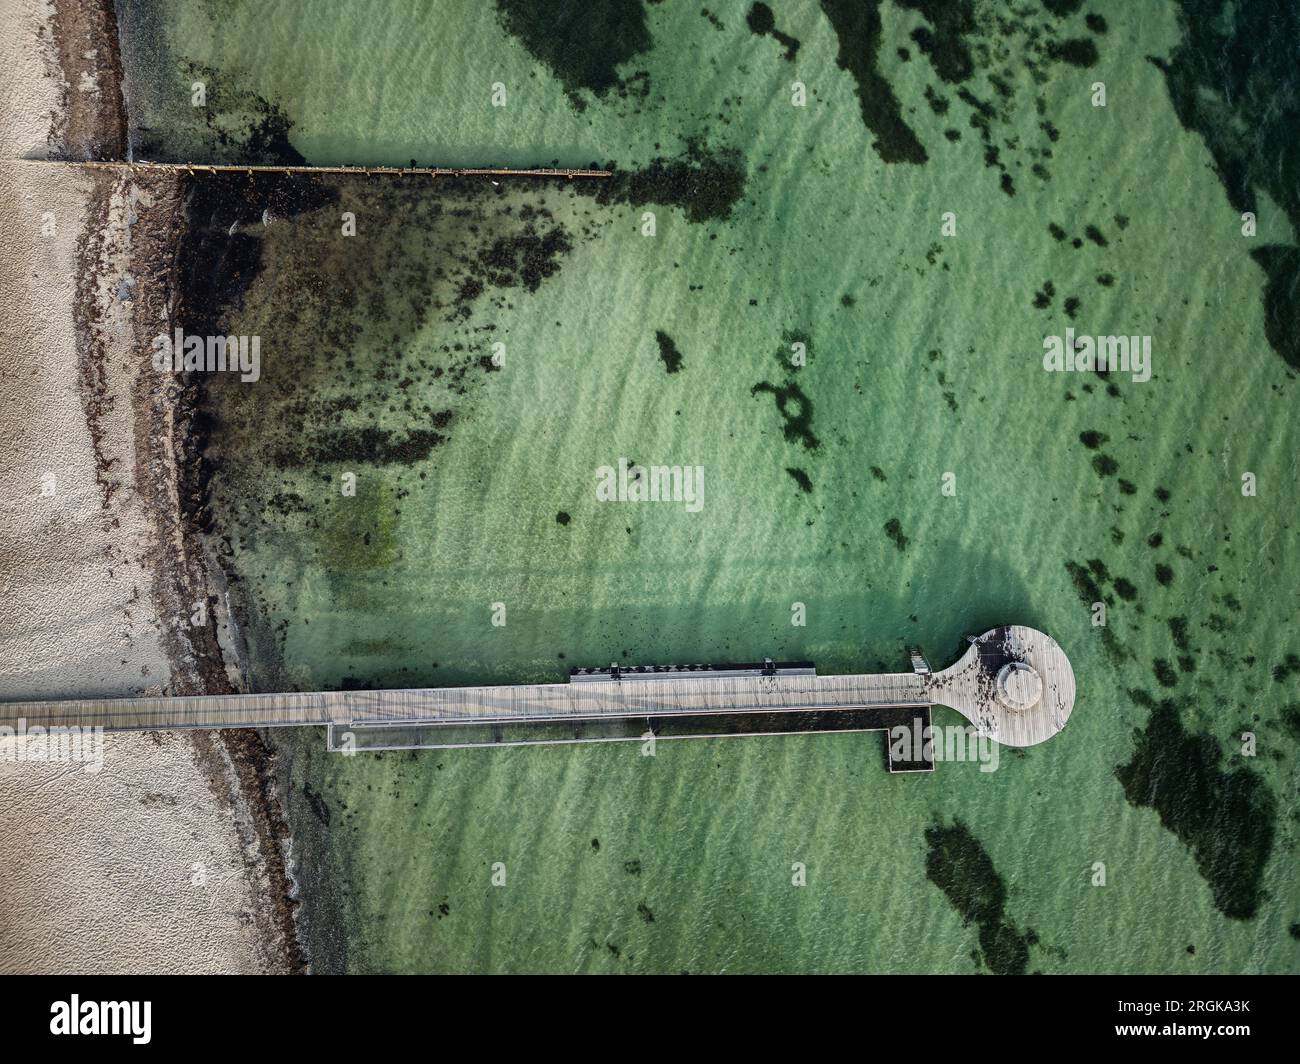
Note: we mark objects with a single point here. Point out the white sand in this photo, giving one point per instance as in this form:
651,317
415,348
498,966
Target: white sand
133,869
144,865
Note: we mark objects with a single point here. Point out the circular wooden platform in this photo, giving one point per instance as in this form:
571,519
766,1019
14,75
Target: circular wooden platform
1015,684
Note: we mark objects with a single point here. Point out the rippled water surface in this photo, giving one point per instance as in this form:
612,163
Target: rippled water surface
777,229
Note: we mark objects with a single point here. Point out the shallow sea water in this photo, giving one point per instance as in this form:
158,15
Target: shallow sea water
924,359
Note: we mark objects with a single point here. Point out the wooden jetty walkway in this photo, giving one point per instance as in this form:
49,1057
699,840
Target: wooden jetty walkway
1014,684
195,169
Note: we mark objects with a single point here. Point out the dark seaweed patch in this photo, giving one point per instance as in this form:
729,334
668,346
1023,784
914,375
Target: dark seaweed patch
857,26
1226,819
1062,8
800,478
1092,439
957,36
894,530
1289,667
960,867
1164,575
1087,588
1281,299
525,258
1291,720
370,444
238,126
796,411
1105,465
672,358
1079,52
1178,632
944,43
218,266
1222,79
762,22
336,316
706,184
760,19
218,263
582,44
317,804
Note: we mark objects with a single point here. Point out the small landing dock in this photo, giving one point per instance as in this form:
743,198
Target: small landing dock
1014,684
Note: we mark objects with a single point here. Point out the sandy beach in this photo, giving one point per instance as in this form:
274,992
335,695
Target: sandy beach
168,855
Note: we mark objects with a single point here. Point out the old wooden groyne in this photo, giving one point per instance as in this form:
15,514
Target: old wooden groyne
197,169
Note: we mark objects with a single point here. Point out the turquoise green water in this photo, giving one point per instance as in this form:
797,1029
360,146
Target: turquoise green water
924,360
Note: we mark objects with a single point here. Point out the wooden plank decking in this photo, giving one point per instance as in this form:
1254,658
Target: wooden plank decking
970,687
539,702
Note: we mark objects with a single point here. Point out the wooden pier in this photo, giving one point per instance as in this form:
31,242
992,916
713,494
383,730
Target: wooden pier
1014,684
